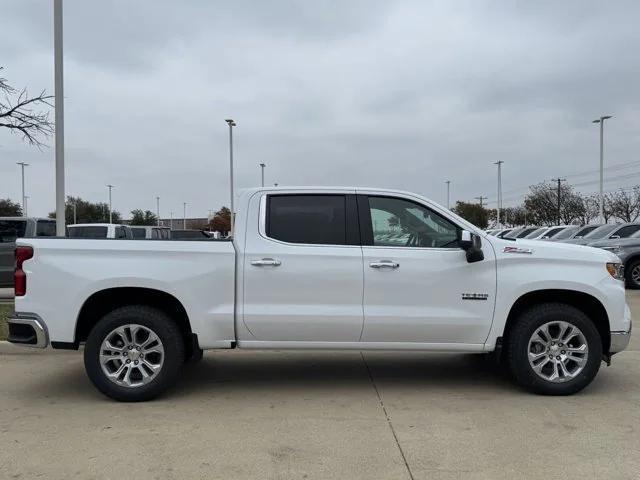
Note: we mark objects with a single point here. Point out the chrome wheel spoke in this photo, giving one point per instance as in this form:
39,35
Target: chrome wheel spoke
131,355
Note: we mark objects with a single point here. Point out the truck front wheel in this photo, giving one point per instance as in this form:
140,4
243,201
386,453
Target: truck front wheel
554,349
134,353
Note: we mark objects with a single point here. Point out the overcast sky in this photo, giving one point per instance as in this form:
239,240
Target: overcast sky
397,94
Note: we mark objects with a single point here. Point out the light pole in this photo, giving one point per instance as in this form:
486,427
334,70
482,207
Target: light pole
231,124
24,203
601,196
158,210
184,215
170,220
74,213
262,165
448,182
110,216
499,163
59,116
26,198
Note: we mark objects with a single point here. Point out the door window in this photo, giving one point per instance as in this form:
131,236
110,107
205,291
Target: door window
309,219
624,232
396,222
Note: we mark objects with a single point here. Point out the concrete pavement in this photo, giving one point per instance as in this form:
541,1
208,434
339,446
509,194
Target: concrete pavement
281,415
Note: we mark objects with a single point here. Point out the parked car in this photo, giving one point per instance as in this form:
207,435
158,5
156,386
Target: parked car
99,230
187,234
142,232
308,268
18,227
574,231
621,230
628,250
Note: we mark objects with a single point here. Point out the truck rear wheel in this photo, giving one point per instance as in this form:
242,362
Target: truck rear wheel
134,353
554,349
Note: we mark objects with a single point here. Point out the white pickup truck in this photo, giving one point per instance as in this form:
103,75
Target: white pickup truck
323,268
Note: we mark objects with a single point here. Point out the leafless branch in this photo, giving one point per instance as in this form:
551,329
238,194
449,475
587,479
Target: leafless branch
21,113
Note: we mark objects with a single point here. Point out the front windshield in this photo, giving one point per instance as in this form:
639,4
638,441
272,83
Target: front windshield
566,233
526,232
537,232
601,232
585,230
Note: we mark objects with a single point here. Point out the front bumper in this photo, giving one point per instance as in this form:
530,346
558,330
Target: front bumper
619,341
27,329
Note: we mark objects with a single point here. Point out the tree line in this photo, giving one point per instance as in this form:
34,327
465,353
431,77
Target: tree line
540,207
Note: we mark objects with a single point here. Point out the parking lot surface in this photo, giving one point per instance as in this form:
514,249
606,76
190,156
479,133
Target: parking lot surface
282,415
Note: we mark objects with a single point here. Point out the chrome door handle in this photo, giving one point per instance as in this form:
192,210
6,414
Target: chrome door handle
266,262
384,264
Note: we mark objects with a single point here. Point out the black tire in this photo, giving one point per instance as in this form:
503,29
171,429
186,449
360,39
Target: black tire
517,345
628,270
156,321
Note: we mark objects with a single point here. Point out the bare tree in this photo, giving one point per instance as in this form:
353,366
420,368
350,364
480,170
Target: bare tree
19,114
625,205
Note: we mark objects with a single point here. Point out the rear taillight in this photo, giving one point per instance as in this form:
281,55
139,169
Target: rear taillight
19,276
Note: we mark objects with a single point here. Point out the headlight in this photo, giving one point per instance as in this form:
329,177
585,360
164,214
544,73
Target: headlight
616,270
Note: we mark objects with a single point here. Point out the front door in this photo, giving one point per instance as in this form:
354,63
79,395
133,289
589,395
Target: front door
419,286
303,278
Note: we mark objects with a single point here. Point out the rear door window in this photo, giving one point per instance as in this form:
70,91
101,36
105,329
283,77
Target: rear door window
11,229
307,219
88,232
138,233
45,229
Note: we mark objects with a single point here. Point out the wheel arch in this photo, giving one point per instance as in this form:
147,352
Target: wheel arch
586,303
104,301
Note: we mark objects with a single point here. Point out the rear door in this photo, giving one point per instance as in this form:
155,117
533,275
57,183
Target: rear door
419,287
303,278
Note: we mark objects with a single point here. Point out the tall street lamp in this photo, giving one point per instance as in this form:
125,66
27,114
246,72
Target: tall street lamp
158,210
262,165
59,116
184,215
601,196
24,203
448,182
231,124
110,215
499,163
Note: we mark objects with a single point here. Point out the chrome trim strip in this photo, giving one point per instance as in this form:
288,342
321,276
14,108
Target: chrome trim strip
42,336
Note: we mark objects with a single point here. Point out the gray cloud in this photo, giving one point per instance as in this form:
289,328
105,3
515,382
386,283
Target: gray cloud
391,94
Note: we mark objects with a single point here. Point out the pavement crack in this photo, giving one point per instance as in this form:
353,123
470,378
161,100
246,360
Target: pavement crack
386,415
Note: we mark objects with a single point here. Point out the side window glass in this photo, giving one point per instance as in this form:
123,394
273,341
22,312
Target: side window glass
401,223
45,229
310,219
627,231
120,232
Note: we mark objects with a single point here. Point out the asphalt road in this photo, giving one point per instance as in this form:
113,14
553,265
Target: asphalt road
292,415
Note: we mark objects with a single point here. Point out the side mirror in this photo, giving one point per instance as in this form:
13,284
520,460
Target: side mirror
614,236
472,245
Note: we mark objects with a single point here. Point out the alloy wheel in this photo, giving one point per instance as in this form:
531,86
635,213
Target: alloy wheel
557,351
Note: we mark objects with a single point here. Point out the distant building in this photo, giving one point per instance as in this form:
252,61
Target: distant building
192,223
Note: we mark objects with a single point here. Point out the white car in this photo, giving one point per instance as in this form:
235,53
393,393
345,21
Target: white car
308,269
99,230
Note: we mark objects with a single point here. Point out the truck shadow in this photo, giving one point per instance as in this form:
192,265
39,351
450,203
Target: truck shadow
235,374
339,370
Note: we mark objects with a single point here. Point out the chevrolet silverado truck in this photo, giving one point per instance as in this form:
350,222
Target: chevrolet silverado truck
323,268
